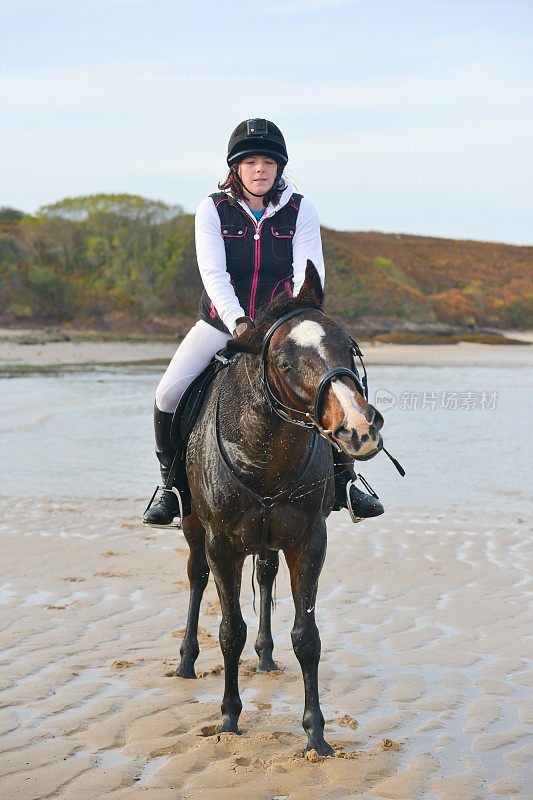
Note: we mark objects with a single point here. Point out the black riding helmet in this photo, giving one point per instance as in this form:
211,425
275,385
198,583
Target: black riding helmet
256,137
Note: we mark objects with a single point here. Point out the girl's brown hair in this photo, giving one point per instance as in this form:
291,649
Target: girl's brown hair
232,184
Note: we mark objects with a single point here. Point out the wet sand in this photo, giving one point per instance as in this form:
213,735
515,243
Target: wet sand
13,354
425,682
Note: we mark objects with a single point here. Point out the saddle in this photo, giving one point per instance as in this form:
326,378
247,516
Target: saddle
192,400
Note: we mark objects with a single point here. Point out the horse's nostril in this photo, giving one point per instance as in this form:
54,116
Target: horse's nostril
374,417
341,432
365,437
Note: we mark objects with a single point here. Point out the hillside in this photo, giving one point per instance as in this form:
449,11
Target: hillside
122,260
420,279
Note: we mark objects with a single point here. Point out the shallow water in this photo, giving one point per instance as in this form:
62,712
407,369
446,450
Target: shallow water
89,434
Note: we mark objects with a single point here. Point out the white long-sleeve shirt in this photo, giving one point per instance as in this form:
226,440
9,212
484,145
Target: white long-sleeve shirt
211,253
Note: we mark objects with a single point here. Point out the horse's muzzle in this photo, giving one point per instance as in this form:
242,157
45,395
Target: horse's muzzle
359,447
360,438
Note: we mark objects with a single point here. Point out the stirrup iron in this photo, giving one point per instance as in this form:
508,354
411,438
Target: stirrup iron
349,502
179,515
369,489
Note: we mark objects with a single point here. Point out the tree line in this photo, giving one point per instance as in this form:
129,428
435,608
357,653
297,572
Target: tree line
88,257
110,256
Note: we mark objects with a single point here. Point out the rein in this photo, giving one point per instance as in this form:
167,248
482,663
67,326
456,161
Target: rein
266,502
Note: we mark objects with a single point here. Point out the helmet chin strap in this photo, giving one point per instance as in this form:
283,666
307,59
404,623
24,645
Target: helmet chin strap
277,180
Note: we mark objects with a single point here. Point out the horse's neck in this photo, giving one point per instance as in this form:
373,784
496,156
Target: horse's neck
263,447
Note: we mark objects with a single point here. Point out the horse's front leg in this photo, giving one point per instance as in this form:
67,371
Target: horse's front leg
264,645
226,564
198,572
305,564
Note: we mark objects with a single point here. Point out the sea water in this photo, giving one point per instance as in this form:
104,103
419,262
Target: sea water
462,433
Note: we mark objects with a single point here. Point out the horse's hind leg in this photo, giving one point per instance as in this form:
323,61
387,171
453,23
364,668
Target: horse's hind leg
266,572
305,564
198,572
226,564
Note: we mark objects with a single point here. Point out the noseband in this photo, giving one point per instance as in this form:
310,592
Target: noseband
304,418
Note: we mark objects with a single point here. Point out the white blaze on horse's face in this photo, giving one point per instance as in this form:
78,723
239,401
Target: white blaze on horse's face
354,418
345,410
309,334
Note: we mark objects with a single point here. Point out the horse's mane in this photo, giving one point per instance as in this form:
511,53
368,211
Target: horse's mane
310,296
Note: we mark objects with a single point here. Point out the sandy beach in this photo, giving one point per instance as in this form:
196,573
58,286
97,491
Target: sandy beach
13,354
425,682
426,674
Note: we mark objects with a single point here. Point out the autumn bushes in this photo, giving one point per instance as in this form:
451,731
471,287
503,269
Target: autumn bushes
430,281
104,257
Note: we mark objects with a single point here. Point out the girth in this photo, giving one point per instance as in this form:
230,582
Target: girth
267,502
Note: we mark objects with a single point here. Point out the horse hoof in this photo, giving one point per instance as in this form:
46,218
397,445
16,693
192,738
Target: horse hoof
321,747
228,726
267,665
184,671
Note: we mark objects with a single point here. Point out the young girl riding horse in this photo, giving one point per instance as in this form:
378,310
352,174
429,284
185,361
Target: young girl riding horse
253,240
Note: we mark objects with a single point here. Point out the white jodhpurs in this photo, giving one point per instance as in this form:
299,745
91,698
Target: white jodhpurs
194,353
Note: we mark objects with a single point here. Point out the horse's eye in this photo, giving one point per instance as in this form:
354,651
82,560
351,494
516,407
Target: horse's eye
281,363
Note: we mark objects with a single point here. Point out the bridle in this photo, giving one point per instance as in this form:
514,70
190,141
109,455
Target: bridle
312,420
306,419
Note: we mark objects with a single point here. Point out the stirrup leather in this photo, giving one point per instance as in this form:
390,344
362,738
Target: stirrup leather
179,514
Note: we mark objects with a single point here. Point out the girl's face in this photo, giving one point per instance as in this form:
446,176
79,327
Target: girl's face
258,173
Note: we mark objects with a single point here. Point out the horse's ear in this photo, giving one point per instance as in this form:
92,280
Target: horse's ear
311,292
249,342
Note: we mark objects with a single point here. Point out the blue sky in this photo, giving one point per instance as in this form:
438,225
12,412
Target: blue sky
413,117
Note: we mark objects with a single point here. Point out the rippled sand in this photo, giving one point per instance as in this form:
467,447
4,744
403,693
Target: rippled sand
425,683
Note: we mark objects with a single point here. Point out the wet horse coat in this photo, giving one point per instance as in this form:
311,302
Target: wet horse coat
271,456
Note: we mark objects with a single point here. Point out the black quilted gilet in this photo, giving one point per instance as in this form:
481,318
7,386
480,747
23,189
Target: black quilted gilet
258,256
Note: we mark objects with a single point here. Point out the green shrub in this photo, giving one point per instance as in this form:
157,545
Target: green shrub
53,292
20,311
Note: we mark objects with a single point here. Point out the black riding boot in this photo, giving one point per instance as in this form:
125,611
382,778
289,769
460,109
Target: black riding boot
360,504
163,512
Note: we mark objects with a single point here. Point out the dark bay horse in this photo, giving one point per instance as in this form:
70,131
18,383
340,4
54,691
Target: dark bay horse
261,483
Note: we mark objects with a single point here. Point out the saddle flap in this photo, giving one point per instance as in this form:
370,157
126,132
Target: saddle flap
192,400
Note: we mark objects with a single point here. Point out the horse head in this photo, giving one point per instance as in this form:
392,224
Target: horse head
298,355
